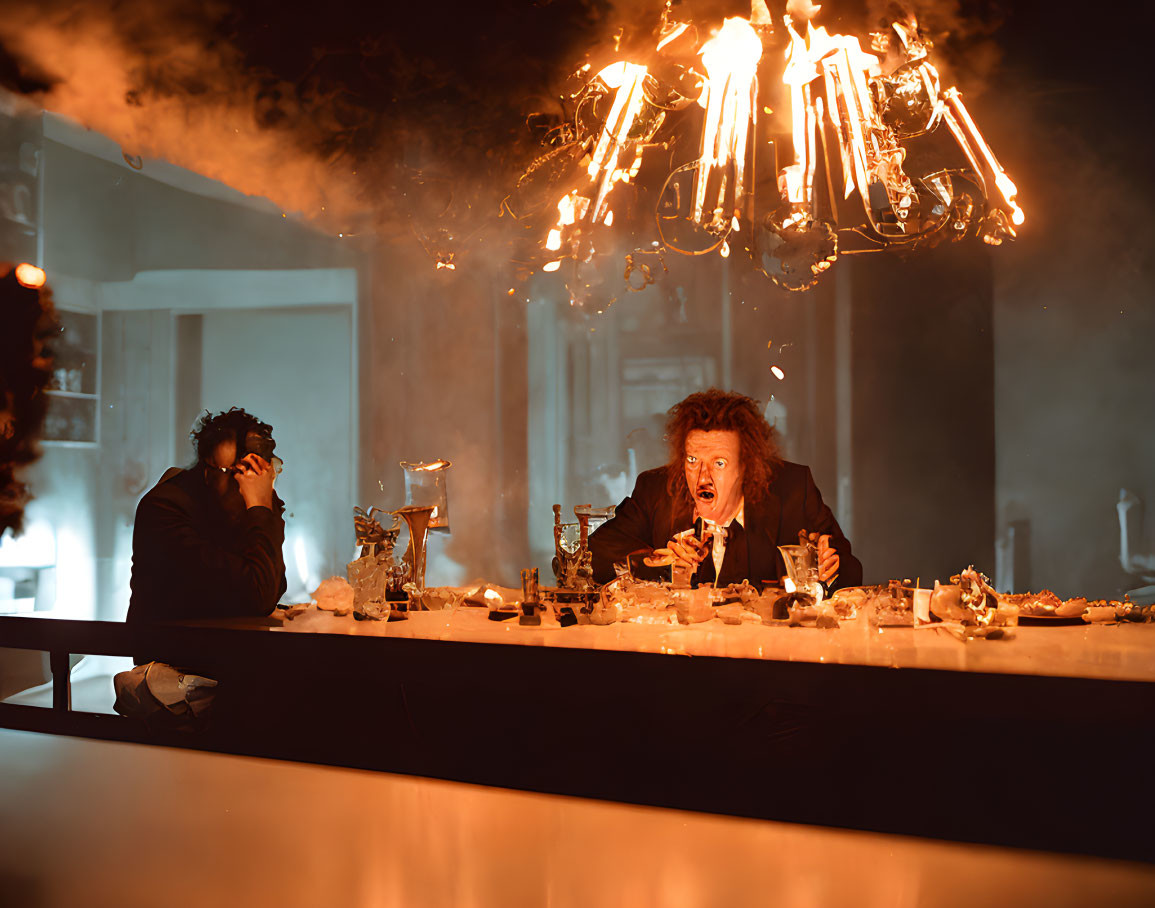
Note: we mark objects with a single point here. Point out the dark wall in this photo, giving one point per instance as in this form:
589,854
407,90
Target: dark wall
1075,376
1075,300
923,413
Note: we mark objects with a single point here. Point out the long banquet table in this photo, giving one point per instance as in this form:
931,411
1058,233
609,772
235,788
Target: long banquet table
1111,652
1041,741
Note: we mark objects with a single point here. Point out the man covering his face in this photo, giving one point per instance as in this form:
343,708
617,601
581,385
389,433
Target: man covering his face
724,503
207,540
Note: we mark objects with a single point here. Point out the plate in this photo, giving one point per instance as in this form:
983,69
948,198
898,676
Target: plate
1051,620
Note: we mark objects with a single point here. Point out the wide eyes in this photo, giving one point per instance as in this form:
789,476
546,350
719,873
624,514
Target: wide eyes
719,463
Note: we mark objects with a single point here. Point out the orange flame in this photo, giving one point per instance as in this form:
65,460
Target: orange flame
30,276
870,150
729,96
990,165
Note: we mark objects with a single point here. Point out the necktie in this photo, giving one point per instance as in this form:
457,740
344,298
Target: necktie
735,565
734,560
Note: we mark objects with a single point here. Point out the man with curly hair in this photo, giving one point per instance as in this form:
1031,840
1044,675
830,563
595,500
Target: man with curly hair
726,483
207,539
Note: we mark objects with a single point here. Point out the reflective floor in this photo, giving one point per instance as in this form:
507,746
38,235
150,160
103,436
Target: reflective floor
97,823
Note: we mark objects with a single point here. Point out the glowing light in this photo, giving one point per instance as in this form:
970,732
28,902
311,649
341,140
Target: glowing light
672,34
728,96
425,467
629,80
551,266
835,68
778,373
301,558
1006,188
35,547
789,585
30,276
868,105
843,66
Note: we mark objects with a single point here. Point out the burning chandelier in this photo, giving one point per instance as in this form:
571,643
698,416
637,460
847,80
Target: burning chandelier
858,176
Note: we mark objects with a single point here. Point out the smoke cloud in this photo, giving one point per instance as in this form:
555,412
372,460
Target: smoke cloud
163,85
381,119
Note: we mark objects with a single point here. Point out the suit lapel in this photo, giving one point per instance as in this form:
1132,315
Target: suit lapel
679,517
762,538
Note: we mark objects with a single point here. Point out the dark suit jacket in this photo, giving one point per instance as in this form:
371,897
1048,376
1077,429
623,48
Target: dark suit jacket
190,561
649,518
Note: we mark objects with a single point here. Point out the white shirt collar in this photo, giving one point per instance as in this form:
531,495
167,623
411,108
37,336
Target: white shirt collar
718,544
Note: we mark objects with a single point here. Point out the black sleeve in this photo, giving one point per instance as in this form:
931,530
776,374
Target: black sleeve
820,519
630,529
244,578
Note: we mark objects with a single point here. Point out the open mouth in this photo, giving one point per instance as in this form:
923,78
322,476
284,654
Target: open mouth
706,494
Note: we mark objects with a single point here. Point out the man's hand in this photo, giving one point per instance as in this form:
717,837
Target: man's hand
827,558
255,480
688,549
684,549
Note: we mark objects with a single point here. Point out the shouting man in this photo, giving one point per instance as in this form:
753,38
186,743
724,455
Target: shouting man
724,502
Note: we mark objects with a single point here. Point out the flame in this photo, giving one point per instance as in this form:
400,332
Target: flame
870,150
425,467
30,276
629,80
672,32
778,373
990,164
871,104
843,67
729,97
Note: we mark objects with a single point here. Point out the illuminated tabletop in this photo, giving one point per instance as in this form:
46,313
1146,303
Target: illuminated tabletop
1117,652
335,836
1037,741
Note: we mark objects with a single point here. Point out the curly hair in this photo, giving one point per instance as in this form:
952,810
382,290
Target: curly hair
716,410
27,321
229,425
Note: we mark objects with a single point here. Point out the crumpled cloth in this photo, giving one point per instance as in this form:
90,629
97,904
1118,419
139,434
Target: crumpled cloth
164,697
